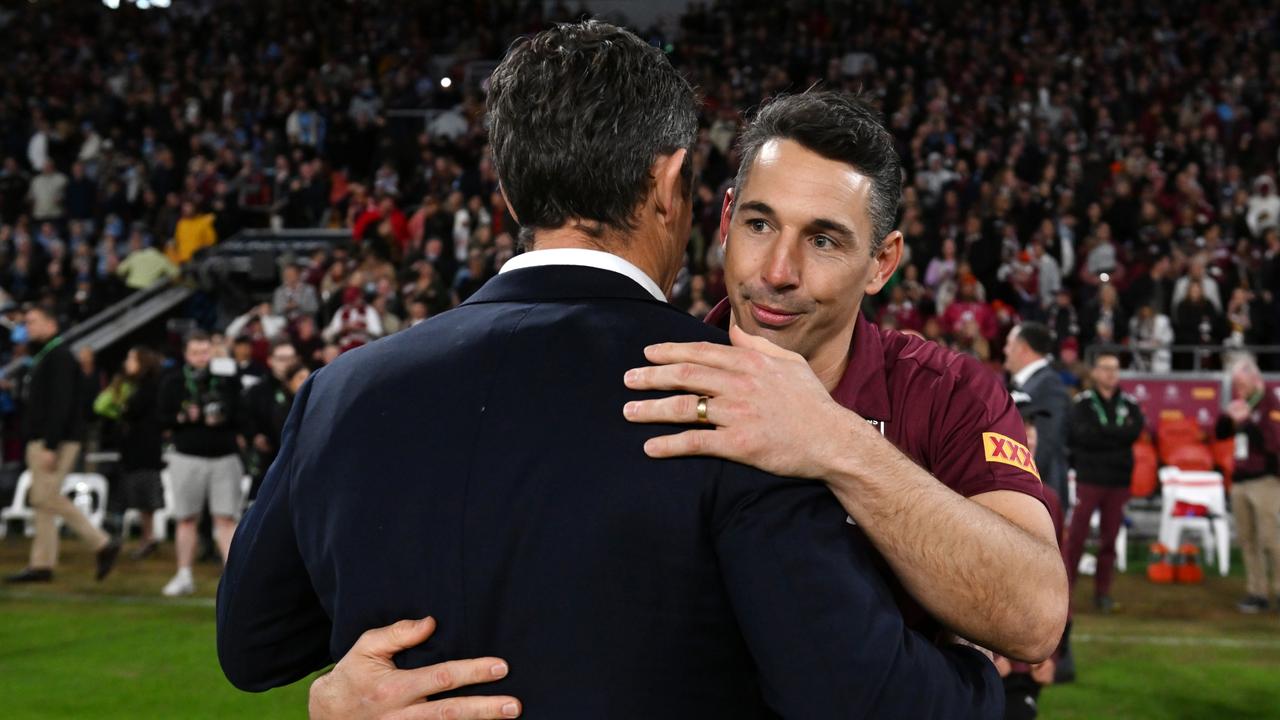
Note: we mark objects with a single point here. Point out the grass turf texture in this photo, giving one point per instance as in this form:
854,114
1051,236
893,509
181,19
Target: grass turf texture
76,649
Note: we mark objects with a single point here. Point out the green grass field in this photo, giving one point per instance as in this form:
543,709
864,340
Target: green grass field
79,649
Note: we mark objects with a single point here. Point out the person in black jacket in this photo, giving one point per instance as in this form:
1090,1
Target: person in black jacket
200,408
1105,423
55,427
140,443
263,412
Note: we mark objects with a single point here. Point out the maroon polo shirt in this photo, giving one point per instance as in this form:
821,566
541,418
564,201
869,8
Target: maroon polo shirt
947,411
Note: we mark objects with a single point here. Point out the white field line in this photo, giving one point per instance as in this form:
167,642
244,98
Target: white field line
105,599
1179,640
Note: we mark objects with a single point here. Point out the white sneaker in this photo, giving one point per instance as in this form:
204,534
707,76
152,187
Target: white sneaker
180,585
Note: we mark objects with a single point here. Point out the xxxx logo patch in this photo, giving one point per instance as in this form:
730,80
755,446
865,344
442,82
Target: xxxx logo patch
999,448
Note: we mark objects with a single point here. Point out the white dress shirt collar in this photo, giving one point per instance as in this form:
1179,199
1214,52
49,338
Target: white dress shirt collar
1021,377
585,258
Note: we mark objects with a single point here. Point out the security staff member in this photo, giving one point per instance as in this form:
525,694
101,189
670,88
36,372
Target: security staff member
1104,425
55,426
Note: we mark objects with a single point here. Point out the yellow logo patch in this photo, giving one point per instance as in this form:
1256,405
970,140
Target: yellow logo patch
999,448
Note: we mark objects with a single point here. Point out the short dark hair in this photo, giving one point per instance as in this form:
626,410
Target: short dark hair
838,126
195,336
577,115
44,310
1105,353
1036,336
281,342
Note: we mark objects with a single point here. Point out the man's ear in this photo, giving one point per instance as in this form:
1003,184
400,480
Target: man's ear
886,259
669,191
726,215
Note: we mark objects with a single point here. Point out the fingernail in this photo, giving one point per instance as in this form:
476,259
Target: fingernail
629,409
499,670
511,710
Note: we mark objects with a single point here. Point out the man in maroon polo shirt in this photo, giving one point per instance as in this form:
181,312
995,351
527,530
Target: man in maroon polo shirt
923,447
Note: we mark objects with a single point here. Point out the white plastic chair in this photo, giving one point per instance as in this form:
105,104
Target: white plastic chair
1088,562
88,491
19,509
1201,488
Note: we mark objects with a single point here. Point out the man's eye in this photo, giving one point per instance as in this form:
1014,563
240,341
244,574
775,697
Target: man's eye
757,225
822,242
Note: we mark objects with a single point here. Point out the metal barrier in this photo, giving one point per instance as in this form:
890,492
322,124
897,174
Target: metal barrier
1145,359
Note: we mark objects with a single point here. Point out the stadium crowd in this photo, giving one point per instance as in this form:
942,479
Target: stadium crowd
1106,168
1106,171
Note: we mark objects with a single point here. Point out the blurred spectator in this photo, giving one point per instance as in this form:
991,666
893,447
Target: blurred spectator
55,426
48,193
199,406
968,307
265,408
193,233
1252,419
140,446
1151,334
294,297
1264,207
1104,320
144,265
1196,321
355,323
1026,357
472,277
1197,274
260,324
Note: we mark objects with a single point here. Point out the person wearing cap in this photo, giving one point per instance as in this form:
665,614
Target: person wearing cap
1103,426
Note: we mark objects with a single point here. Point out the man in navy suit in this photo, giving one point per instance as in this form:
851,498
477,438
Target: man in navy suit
615,585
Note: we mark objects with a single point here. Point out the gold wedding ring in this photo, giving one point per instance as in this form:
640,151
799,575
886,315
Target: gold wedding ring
702,408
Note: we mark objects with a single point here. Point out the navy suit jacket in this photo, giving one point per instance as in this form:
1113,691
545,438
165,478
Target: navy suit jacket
478,468
1051,405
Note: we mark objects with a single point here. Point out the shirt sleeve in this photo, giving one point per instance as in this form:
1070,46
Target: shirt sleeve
980,445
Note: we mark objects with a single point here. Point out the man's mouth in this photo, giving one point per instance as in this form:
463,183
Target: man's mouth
772,317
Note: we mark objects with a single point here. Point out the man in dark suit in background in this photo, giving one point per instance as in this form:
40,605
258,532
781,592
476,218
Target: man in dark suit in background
1026,357
617,586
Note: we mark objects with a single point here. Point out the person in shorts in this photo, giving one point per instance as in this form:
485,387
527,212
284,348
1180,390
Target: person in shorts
199,406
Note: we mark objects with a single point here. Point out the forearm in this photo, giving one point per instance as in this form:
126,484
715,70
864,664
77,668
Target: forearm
982,576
